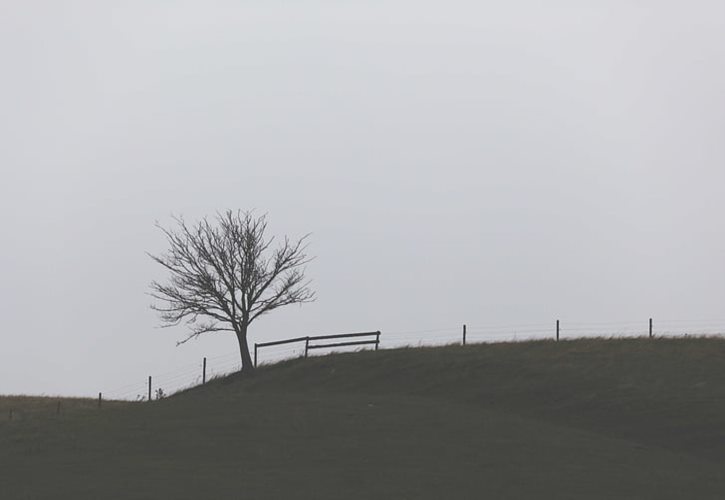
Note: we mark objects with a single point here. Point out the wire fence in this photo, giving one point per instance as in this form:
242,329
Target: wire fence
159,385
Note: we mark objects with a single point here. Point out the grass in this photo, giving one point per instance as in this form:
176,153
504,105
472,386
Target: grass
42,407
632,418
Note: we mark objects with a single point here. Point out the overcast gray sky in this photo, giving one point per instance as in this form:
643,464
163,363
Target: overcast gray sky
456,162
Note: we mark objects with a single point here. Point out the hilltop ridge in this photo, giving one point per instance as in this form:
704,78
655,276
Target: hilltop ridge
591,418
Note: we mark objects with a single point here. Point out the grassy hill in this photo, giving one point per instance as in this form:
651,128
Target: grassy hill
577,419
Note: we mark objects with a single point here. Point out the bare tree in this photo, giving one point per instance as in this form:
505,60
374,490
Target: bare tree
225,274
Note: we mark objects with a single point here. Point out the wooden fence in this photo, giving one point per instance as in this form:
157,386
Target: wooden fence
325,342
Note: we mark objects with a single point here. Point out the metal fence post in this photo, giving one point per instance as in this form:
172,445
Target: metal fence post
149,388
307,346
650,328
255,354
203,372
100,398
464,334
377,340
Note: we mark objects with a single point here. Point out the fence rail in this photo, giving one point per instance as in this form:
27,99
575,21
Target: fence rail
310,342
344,344
280,342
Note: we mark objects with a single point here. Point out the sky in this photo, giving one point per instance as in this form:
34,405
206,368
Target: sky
456,162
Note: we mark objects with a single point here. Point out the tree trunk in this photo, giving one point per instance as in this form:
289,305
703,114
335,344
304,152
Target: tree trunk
247,363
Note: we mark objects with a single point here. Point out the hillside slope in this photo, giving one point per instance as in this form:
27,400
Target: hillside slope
577,419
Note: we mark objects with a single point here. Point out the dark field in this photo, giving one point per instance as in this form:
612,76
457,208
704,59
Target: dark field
576,419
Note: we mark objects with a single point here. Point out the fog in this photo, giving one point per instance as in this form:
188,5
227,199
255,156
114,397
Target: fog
456,162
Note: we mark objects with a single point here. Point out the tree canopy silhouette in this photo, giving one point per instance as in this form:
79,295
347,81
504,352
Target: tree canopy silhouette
225,274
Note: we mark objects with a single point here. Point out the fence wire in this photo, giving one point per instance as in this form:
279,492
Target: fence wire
191,374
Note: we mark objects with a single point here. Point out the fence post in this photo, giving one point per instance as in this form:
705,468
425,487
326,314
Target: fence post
149,388
255,354
100,398
203,372
377,340
307,346
650,328
464,334
557,330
